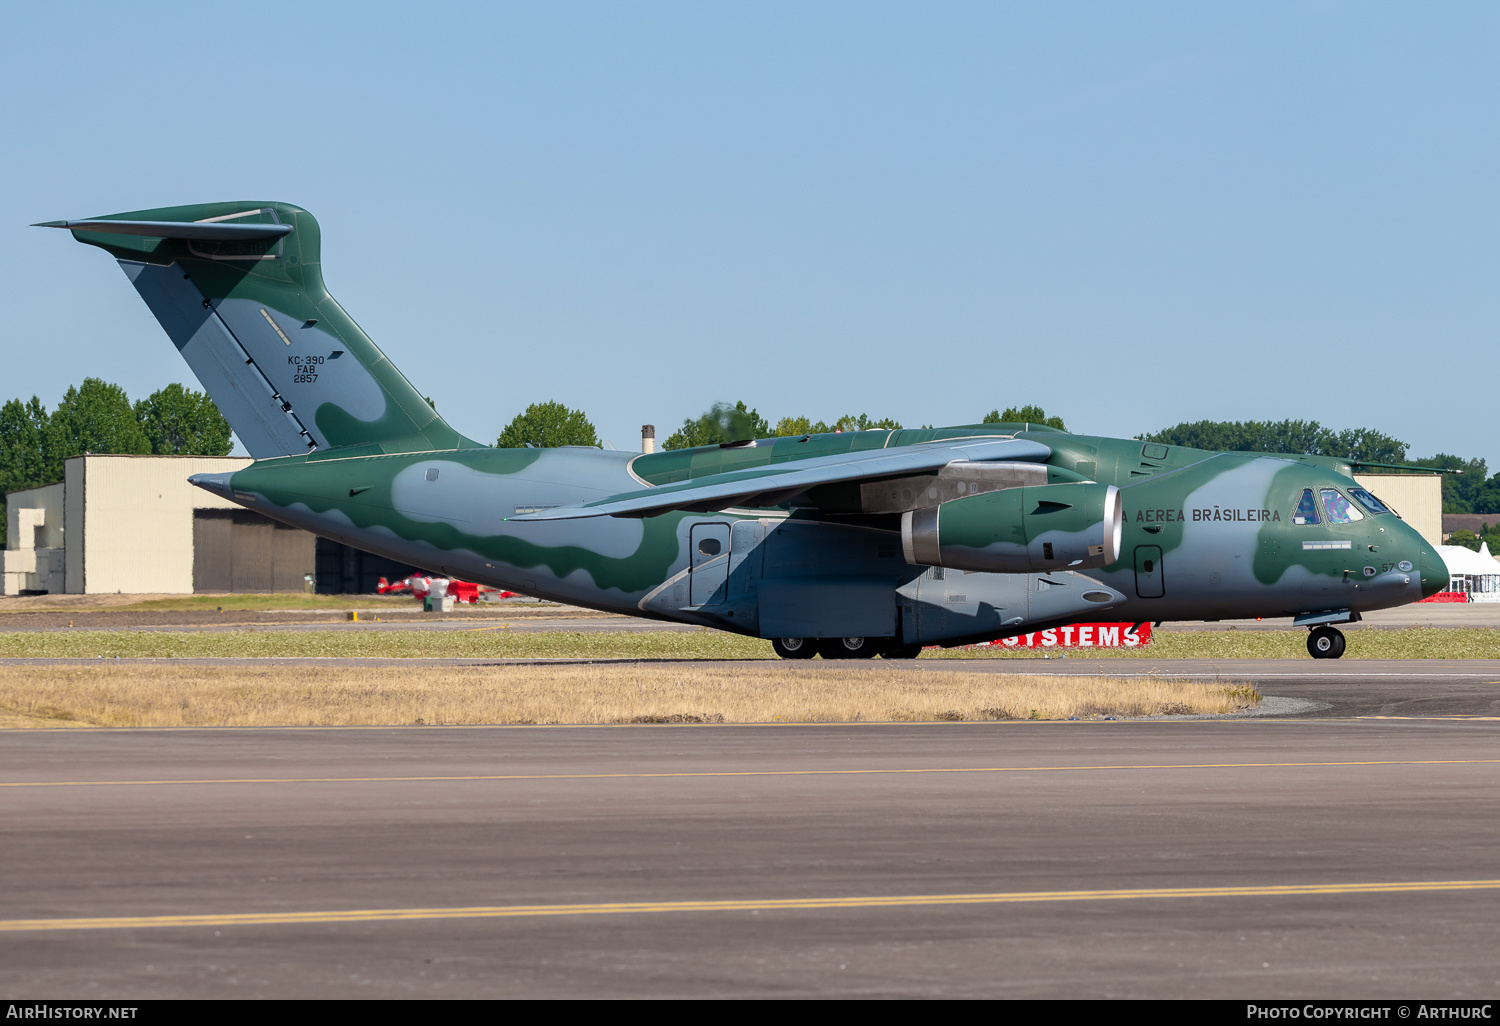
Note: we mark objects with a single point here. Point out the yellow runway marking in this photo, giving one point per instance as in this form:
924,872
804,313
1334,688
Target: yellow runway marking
1459,717
748,773
374,915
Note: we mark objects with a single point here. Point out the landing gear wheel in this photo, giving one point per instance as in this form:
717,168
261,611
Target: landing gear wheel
901,652
1325,643
795,648
849,648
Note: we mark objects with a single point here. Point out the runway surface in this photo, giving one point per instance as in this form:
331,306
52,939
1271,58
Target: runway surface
1249,858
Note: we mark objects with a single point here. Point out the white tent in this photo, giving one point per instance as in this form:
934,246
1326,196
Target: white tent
1474,572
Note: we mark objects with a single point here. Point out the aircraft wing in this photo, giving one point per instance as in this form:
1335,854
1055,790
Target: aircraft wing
776,483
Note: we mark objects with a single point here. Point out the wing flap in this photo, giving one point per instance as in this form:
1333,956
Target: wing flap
769,485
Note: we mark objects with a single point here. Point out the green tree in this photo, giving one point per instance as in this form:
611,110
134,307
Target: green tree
848,422
1024,415
546,426
1364,444
93,417
1286,436
863,422
23,449
23,444
179,421
1463,489
1468,539
788,426
721,423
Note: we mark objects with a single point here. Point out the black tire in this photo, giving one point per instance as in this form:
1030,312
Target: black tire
901,652
795,648
849,648
1325,643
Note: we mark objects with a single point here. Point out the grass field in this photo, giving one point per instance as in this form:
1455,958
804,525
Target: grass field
133,695
499,642
267,603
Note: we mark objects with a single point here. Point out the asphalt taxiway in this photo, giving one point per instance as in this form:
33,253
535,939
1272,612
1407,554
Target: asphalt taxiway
1250,858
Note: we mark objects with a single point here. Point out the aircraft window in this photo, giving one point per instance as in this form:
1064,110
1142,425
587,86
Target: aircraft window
432,473
709,546
1340,510
1307,509
1369,501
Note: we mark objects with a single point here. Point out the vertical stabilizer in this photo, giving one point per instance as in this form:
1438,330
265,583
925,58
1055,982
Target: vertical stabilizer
238,287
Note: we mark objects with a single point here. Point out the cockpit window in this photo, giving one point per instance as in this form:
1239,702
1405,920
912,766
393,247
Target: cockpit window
1369,501
1307,509
1340,510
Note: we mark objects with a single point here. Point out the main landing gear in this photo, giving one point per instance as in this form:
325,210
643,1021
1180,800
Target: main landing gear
795,648
843,648
1325,642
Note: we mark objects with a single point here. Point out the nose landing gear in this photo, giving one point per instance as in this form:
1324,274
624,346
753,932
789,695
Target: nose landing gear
1325,642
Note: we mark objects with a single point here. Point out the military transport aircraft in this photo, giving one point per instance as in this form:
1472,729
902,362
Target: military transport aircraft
853,544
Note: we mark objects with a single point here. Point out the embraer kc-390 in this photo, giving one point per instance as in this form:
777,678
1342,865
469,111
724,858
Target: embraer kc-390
851,544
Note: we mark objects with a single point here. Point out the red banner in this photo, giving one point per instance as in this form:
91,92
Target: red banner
1080,635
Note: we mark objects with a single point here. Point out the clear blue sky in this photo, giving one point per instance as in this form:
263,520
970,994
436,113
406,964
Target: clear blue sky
1132,214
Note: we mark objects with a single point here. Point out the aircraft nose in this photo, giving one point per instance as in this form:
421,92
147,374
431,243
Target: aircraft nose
1433,570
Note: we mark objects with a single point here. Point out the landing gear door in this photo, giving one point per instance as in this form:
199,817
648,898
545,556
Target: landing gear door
710,573
1148,576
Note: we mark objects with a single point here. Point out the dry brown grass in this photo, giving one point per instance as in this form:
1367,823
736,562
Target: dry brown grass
497,641
188,696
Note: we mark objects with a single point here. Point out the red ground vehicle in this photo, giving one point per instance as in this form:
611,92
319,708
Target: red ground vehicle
420,586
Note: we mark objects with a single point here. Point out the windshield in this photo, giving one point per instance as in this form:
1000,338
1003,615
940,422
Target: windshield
1369,501
1340,510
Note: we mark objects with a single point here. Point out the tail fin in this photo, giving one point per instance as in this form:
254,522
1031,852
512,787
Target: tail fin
239,289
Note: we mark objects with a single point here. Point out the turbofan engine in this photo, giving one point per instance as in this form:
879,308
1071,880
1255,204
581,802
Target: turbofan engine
1018,530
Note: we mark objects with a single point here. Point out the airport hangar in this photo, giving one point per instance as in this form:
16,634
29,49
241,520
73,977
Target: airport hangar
133,525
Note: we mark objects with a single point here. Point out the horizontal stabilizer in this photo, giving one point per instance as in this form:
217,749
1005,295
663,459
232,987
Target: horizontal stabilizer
195,230
770,485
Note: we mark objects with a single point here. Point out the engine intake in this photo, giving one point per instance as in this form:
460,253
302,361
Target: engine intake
1018,530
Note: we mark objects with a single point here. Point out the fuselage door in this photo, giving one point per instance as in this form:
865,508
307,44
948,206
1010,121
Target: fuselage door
1148,576
710,573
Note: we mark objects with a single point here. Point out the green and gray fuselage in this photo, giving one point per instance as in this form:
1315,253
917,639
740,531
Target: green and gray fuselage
933,536
1186,534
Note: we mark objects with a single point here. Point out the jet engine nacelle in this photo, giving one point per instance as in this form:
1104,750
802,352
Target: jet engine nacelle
1018,530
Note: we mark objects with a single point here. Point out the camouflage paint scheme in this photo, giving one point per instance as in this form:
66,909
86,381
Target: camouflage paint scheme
782,537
